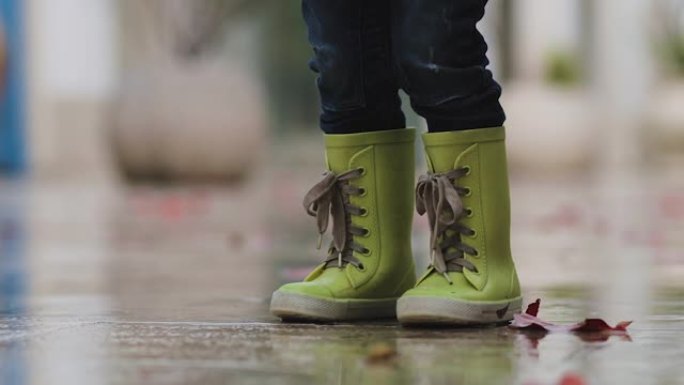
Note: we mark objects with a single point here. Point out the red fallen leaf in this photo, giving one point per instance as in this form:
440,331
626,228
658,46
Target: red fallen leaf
529,321
593,325
533,308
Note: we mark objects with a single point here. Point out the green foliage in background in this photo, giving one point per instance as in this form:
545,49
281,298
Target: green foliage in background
670,35
285,55
675,54
563,69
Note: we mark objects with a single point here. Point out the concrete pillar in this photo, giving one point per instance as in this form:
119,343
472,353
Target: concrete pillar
622,75
73,68
543,28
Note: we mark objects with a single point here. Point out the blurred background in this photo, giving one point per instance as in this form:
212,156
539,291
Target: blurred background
154,154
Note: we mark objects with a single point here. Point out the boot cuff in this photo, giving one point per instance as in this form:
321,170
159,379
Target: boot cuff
477,135
402,135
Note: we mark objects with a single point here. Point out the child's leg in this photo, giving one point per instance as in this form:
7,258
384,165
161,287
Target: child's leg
472,278
353,58
443,64
367,192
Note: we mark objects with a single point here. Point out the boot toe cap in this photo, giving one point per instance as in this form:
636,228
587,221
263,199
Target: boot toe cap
310,289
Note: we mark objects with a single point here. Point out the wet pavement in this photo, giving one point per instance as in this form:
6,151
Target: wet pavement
105,284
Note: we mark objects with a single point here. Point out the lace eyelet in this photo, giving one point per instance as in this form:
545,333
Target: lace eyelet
361,267
468,192
362,192
467,170
472,234
469,212
366,233
363,212
476,254
366,252
362,170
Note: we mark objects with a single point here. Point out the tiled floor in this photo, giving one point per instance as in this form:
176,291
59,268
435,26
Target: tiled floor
141,285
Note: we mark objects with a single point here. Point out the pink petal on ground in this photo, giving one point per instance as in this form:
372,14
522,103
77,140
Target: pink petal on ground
529,321
572,379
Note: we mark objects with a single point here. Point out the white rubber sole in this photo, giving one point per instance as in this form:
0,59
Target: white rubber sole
293,307
443,311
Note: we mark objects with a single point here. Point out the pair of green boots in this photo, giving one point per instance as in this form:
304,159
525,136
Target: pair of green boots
368,196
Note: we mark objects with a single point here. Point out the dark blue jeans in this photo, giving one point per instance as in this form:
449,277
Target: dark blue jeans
366,50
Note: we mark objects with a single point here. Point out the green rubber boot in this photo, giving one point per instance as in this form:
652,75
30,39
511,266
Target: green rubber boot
368,192
471,278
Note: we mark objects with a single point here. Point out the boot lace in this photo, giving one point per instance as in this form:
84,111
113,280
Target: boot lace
438,195
330,197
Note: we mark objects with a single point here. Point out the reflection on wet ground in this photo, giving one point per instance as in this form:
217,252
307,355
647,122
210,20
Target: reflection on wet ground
141,285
